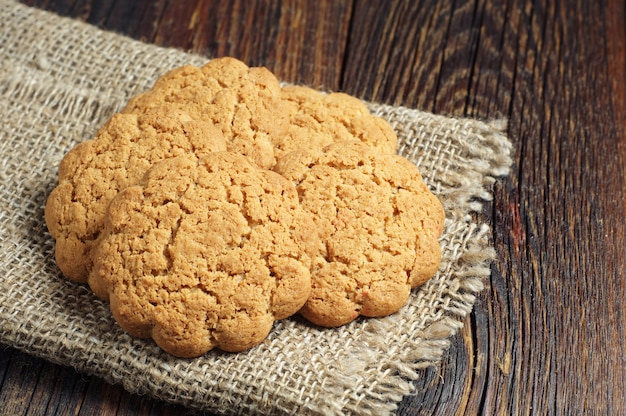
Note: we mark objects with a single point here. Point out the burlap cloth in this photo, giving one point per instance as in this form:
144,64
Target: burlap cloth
60,80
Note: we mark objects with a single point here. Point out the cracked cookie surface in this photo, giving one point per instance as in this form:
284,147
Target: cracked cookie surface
94,171
318,119
205,254
244,102
378,224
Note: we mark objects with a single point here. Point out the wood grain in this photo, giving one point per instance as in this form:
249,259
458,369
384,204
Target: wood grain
547,334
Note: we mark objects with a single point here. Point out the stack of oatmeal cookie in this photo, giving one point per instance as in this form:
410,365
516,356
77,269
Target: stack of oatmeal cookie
219,201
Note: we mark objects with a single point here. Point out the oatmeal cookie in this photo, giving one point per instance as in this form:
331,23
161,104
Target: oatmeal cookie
318,119
205,254
94,171
243,102
379,226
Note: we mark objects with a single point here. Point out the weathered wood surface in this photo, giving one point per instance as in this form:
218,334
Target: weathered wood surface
547,335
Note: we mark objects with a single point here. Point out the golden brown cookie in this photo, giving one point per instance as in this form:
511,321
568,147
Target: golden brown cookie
379,225
243,102
318,119
93,172
205,254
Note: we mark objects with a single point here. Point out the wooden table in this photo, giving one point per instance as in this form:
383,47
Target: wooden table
547,335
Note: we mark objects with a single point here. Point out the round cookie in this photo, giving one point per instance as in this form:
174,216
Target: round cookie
93,172
205,254
318,119
243,102
379,226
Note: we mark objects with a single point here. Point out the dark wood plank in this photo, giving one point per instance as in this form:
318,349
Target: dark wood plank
57,391
300,41
19,382
546,333
32,386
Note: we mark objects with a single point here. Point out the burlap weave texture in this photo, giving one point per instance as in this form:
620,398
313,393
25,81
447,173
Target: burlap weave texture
60,80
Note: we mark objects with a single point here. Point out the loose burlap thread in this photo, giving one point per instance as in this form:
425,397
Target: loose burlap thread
60,80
